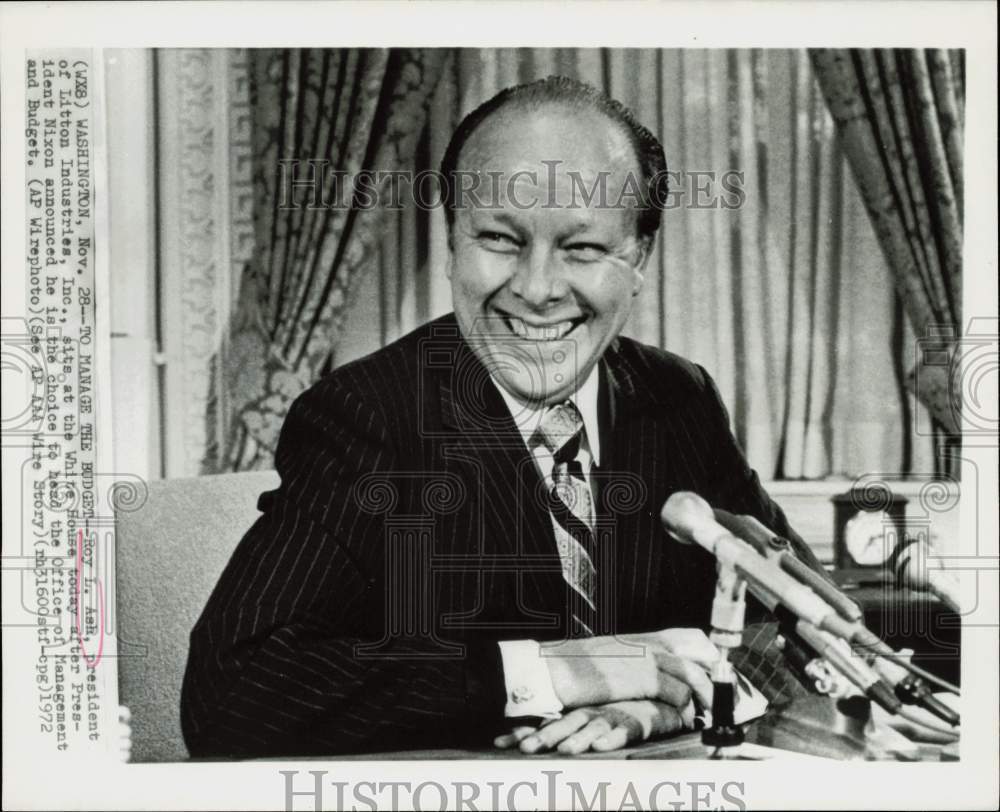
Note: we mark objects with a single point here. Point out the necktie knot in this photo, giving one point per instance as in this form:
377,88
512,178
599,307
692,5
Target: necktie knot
560,431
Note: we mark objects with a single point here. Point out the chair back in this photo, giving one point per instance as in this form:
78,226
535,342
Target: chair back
169,554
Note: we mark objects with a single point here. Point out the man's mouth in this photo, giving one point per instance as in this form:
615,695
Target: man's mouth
540,332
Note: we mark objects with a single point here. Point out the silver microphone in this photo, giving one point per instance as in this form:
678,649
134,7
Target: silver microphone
908,688
771,546
689,518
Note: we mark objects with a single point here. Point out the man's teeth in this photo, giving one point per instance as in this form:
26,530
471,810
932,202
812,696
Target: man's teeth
550,332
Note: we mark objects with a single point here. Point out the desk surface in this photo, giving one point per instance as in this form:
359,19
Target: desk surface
686,746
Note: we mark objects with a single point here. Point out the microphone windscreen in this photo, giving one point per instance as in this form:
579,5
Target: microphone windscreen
684,513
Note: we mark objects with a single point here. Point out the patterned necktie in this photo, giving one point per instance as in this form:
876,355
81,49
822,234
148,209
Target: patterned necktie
572,507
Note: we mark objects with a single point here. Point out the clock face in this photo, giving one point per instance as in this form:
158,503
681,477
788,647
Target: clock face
864,536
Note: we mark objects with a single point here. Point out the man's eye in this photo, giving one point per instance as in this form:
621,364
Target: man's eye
586,251
497,240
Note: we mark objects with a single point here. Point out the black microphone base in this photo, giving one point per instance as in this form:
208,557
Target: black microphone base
724,732
723,736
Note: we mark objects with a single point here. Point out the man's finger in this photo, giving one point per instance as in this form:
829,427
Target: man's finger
507,740
545,738
613,740
669,719
688,672
686,716
672,690
580,741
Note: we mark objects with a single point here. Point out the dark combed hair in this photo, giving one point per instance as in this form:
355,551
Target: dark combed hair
574,94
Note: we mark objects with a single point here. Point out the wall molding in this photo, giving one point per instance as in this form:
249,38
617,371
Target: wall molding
206,227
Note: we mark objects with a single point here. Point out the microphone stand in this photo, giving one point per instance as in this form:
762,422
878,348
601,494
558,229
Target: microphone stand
728,612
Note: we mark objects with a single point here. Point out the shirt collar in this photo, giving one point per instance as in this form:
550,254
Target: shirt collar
585,400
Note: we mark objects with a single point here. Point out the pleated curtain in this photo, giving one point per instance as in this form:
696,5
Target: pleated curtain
900,117
353,110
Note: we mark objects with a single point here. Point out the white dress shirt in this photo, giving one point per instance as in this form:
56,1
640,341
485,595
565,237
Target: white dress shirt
526,676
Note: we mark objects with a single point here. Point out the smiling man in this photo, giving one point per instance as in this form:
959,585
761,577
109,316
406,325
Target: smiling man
465,548
537,266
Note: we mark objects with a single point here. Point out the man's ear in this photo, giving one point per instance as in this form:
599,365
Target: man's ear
449,265
644,252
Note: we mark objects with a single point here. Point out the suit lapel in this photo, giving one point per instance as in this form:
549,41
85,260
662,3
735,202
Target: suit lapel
639,466
659,582
516,530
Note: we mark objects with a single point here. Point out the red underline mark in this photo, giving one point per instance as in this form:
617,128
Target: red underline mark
91,663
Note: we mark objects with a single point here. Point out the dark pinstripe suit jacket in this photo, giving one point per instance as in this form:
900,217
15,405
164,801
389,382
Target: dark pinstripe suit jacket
409,533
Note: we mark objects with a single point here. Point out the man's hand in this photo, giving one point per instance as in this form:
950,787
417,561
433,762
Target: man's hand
601,728
624,689
669,666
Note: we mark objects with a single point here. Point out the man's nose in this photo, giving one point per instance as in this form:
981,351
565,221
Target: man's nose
538,281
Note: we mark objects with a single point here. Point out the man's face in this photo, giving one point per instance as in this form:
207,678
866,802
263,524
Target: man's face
542,281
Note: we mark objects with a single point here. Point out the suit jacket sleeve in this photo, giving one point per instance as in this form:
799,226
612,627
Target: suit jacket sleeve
274,667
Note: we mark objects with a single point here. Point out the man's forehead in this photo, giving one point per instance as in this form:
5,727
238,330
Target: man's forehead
554,141
562,209
569,219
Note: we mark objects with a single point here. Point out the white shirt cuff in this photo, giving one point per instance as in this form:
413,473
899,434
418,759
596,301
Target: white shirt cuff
529,684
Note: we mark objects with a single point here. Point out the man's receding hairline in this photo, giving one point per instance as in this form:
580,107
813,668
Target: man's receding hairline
577,106
567,96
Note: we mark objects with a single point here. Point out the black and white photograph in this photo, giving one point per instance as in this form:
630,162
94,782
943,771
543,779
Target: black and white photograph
419,421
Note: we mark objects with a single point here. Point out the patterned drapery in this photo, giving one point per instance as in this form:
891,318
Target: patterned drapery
355,109
900,117
786,297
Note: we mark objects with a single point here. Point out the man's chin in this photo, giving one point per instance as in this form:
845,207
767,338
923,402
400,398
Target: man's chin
537,394
517,367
